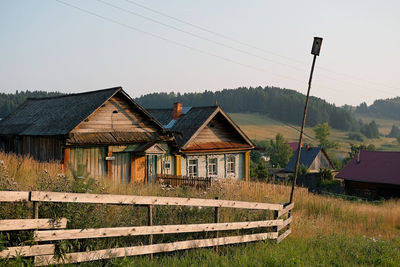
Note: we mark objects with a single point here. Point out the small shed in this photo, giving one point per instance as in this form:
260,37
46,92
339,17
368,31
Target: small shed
373,174
314,158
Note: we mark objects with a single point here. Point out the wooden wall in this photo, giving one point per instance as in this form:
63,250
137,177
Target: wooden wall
218,130
92,159
41,148
372,190
116,115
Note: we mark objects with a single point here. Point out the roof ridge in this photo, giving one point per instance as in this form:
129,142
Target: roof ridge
75,94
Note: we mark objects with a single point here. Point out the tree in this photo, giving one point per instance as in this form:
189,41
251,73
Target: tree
355,149
322,131
259,170
279,151
370,130
394,132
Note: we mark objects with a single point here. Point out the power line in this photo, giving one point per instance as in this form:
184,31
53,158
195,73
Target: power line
257,48
171,41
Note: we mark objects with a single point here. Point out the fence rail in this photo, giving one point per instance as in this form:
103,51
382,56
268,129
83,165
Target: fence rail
47,230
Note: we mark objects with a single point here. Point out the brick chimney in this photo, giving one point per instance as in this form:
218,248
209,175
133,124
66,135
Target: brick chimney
177,110
358,157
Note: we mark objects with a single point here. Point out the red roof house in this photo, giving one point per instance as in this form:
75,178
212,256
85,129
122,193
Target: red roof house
373,174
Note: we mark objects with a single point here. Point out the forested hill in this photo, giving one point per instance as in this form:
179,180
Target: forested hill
9,102
280,104
384,108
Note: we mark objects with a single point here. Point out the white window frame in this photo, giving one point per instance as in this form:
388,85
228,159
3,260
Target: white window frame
193,169
212,167
167,170
230,171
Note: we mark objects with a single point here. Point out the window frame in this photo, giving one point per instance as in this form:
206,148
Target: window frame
193,166
214,165
231,171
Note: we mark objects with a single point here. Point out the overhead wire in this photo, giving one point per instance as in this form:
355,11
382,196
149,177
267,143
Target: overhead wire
260,49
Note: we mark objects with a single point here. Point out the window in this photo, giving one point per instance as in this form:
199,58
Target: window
212,167
167,167
192,167
230,165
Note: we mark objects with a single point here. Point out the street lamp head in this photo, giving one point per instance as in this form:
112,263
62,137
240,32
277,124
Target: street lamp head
316,46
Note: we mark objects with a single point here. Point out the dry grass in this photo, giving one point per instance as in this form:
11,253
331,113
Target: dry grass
314,215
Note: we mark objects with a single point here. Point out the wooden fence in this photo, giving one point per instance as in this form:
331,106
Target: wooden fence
174,181
48,230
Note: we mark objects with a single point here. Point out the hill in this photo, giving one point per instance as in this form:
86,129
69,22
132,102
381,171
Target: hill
279,104
261,127
382,108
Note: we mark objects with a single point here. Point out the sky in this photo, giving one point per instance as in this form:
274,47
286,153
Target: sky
154,46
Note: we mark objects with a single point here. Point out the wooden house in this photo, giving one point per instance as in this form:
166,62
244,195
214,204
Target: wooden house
105,130
314,158
373,174
209,143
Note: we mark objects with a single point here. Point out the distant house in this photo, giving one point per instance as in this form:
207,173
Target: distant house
209,143
105,130
314,158
373,174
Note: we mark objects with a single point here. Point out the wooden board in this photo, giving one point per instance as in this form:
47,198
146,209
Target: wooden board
28,251
148,200
13,196
28,224
284,235
286,209
148,249
285,223
147,230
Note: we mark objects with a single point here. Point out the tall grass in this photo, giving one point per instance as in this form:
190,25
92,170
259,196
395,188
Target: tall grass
318,220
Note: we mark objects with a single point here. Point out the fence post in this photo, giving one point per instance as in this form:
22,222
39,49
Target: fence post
275,228
35,213
150,223
216,220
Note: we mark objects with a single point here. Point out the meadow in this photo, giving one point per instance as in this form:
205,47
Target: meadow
261,127
326,231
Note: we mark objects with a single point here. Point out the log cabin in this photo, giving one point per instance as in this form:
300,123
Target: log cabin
373,174
209,143
104,130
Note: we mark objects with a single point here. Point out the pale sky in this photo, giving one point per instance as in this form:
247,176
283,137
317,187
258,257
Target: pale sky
47,45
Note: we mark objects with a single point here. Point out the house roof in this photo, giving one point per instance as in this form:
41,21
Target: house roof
191,122
373,167
60,114
307,157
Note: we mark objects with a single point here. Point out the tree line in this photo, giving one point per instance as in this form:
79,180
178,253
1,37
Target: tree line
280,104
384,108
9,102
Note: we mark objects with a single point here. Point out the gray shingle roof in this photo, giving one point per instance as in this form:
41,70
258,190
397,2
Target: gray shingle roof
307,156
54,115
59,115
184,128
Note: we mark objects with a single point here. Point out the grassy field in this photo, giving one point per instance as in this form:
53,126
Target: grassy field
326,231
260,127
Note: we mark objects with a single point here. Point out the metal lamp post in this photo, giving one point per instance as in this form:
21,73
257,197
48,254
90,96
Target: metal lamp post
314,51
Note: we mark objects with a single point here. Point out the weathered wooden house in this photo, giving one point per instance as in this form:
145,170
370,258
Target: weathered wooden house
313,158
104,130
209,143
373,174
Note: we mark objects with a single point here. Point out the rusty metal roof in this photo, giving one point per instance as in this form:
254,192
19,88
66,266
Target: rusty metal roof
374,167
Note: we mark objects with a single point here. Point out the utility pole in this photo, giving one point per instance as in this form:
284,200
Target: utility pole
314,51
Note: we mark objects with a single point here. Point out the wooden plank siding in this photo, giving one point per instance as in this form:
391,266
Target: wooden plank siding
92,159
106,120
121,167
218,130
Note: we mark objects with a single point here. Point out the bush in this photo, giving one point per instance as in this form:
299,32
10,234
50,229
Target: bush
355,137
